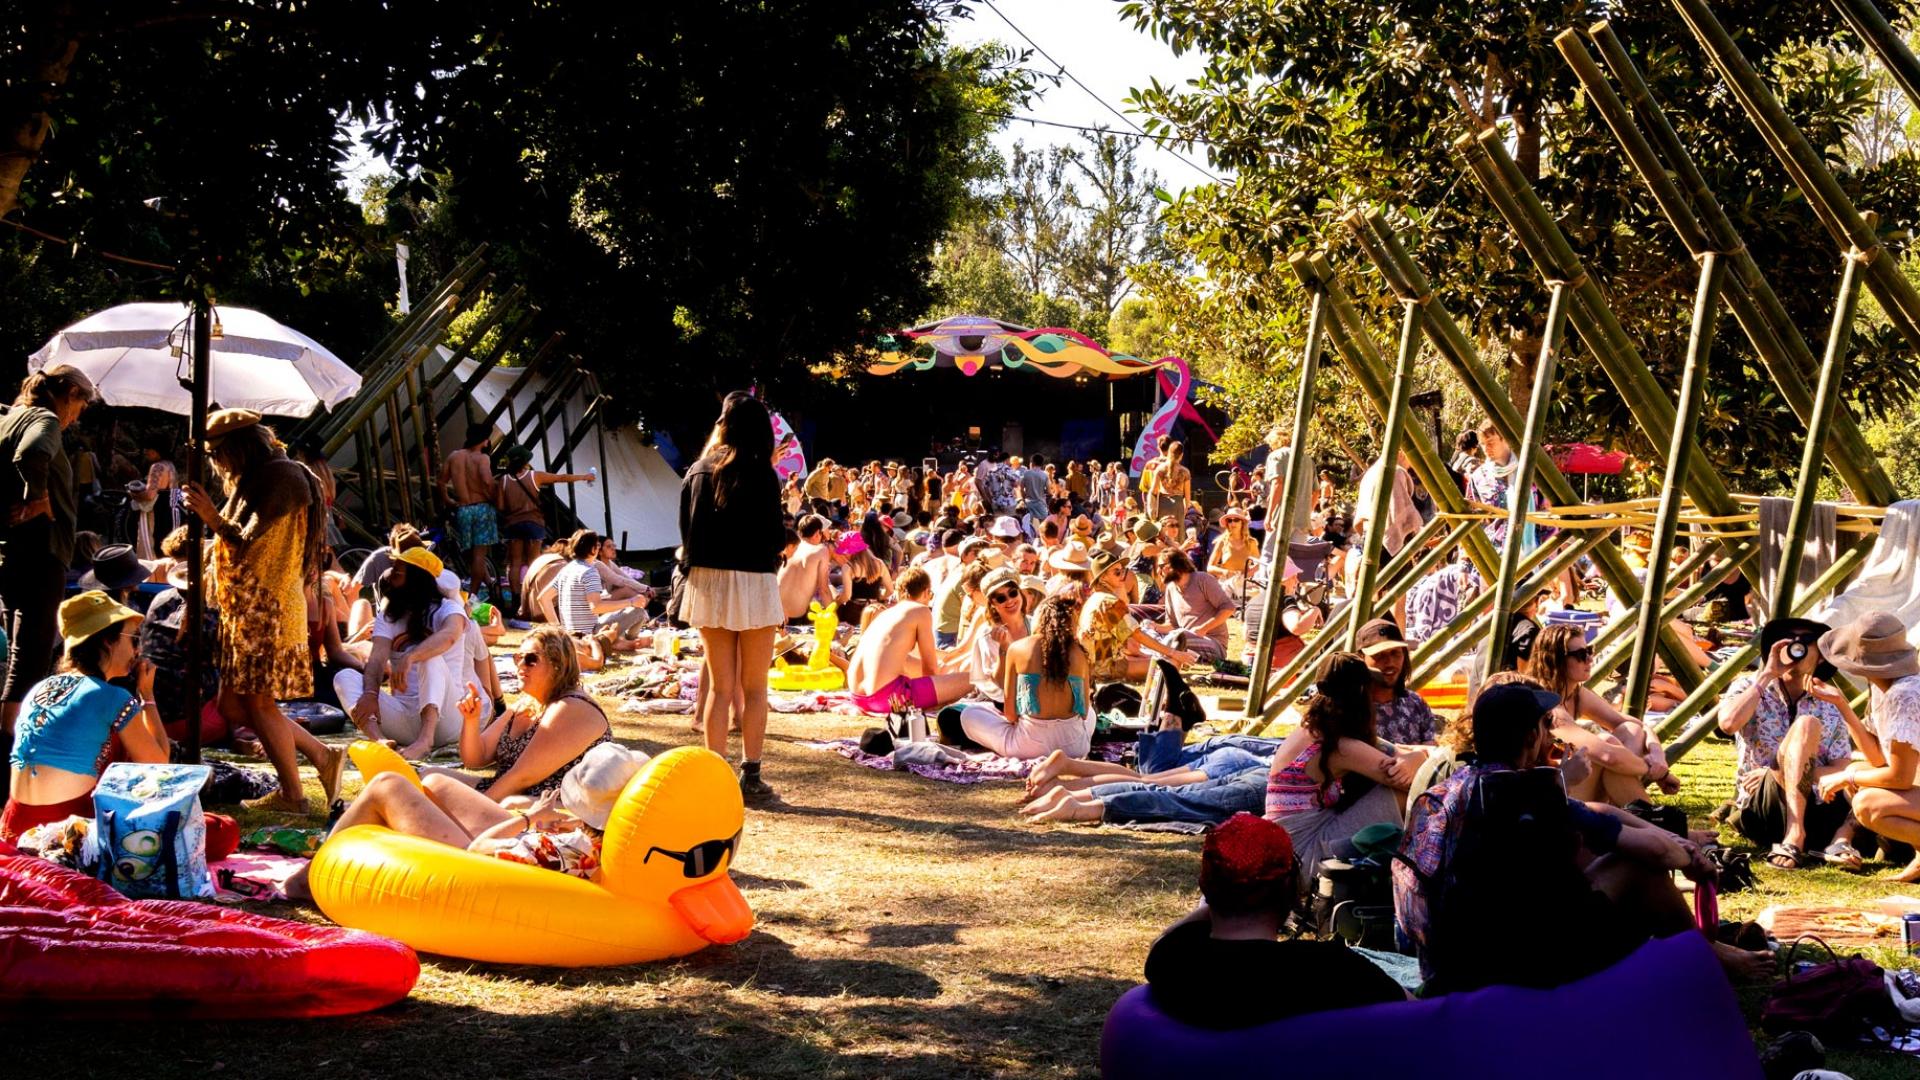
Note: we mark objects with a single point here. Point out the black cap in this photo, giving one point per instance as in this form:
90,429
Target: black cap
1515,703
1380,635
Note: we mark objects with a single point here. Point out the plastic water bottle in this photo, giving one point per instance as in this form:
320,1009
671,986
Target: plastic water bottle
594,472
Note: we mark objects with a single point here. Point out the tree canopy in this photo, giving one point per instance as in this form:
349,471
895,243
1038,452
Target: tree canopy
1322,106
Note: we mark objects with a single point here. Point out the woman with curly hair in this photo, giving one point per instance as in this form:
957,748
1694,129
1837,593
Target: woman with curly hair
1044,678
1624,757
1330,778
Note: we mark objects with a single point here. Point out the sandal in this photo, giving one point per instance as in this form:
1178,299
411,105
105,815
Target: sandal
1785,857
1842,854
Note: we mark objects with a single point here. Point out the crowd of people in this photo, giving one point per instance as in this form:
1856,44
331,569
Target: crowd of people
996,600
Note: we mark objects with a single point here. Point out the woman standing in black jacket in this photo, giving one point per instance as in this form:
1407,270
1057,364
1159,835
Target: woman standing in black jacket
731,533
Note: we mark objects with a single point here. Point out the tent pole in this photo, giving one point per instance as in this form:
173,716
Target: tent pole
526,375
1826,403
1390,441
1280,522
606,470
1520,495
1693,377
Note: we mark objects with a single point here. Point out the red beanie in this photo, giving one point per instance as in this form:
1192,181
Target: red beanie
1246,850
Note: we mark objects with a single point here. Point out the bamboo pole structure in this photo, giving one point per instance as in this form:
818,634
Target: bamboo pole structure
1404,277
1607,657
1826,403
541,416
402,482
513,336
1897,295
1389,466
1520,500
378,387
1783,350
501,309
1872,28
1551,559
520,381
1707,694
1281,524
600,437
1693,377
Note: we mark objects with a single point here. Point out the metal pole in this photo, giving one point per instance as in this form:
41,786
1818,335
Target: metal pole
1520,494
1280,521
196,529
1693,377
1363,582
1826,401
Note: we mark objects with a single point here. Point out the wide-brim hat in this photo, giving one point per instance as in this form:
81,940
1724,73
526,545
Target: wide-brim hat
114,568
590,789
1146,531
1104,560
1231,513
1379,636
1778,630
1872,646
994,581
1071,556
1005,527
87,614
422,558
1082,526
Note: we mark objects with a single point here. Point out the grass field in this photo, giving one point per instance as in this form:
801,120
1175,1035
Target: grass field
907,929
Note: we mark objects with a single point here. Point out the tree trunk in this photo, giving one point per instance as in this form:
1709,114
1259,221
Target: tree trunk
42,70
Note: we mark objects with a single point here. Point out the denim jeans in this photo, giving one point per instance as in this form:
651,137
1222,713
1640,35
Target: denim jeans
945,640
1206,803
1163,750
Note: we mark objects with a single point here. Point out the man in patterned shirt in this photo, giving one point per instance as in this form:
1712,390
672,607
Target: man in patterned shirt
1400,716
1790,734
1885,789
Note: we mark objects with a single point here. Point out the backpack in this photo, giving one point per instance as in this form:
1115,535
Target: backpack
1839,1001
1167,691
150,832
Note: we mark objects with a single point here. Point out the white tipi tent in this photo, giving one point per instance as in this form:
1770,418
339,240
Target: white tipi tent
644,514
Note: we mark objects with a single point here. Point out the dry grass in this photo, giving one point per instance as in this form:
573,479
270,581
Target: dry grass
907,929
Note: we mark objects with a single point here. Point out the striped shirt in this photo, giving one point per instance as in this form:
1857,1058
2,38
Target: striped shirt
577,586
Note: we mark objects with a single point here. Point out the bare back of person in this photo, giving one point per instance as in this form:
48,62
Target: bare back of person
802,578
890,648
1054,698
470,476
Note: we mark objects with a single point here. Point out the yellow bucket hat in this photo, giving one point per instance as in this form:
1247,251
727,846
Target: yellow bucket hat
87,614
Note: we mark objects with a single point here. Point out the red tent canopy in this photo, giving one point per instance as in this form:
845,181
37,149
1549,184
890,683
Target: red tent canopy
1586,458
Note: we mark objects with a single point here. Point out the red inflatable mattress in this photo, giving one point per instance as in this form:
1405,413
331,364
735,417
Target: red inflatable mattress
71,946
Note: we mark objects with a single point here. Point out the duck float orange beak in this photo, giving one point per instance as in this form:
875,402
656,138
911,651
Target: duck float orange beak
662,889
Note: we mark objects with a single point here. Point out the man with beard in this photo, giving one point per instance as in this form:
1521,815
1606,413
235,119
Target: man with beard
412,637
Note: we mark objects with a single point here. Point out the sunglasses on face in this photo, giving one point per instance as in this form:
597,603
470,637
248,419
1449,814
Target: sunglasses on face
1005,596
528,659
701,859
1581,653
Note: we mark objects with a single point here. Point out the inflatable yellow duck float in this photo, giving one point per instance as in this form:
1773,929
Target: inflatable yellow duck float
819,672
662,889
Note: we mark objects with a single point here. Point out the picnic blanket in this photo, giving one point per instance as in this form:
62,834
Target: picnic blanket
253,875
976,769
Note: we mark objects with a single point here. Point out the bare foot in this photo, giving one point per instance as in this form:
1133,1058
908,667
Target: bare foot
296,886
1046,801
1071,811
1910,875
1044,772
1741,964
419,751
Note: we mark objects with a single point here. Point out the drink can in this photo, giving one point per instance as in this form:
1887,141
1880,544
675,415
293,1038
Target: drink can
1910,933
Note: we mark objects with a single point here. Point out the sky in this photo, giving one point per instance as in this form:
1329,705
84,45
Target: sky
1104,51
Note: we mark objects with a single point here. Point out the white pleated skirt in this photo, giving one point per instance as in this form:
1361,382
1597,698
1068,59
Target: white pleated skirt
730,600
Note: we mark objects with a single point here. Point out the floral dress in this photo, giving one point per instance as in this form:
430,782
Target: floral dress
263,610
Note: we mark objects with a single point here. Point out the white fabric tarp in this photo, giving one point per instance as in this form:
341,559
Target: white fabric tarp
645,490
1890,578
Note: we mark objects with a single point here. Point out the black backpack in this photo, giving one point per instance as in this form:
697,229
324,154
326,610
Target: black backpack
1167,691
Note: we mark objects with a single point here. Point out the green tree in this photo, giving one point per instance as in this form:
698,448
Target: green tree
1325,106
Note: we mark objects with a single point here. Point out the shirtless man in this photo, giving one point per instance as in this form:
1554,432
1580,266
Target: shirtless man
803,579
466,482
897,659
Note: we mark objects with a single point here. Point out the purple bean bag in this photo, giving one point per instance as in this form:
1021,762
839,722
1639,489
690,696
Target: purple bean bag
1686,1026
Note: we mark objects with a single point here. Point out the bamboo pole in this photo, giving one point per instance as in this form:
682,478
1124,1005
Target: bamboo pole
1708,692
1389,466
402,482
1826,403
1520,498
1404,277
543,413
504,306
1775,336
376,390
1281,522
1693,377
606,470
1898,297
1872,28
482,367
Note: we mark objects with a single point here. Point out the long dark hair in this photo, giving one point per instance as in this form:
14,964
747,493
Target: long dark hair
1547,662
1055,626
741,443
416,599
879,537
1341,708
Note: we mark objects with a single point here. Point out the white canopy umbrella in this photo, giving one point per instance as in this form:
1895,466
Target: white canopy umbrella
140,354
